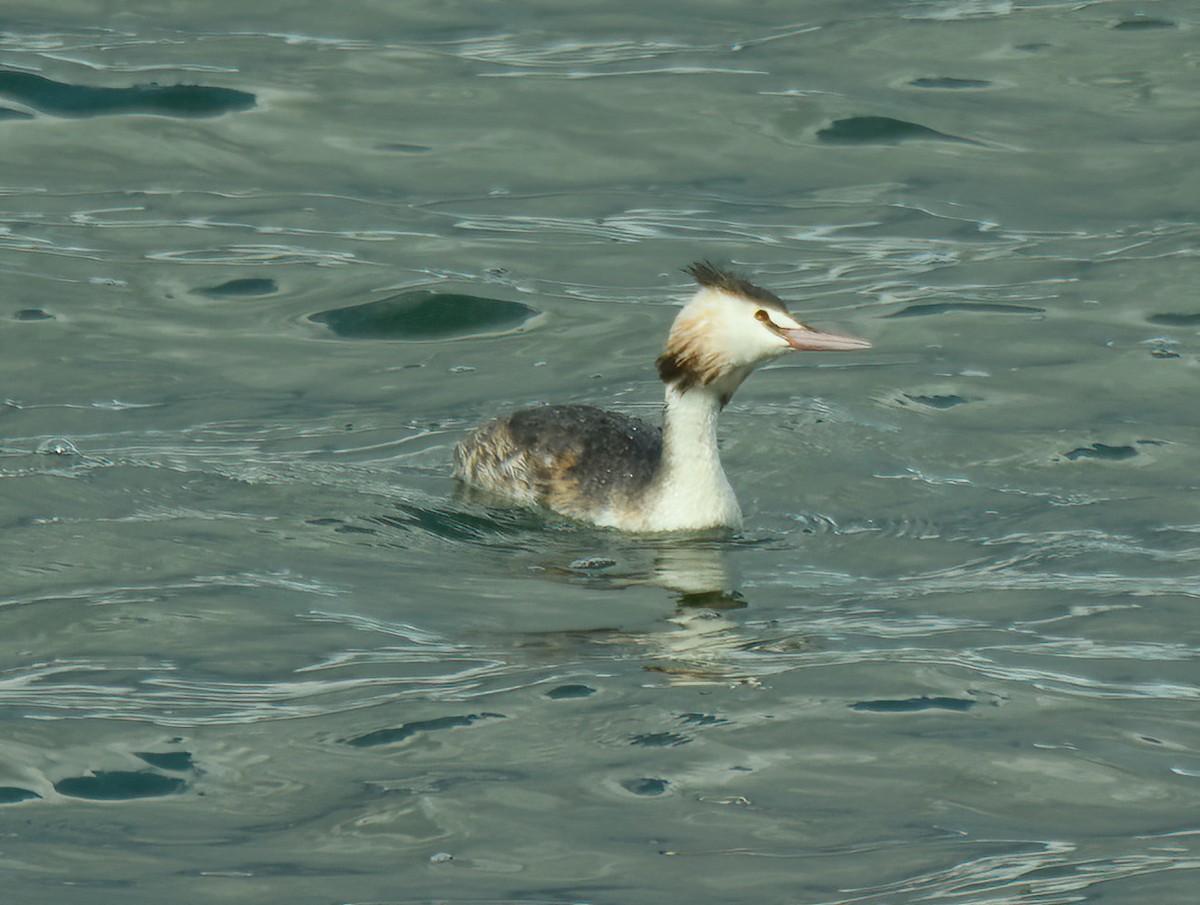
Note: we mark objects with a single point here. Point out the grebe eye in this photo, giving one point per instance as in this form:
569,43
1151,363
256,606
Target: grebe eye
761,315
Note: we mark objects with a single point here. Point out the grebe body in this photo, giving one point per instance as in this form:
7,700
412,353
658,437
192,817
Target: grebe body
618,471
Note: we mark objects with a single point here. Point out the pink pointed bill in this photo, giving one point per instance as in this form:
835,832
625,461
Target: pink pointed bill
814,341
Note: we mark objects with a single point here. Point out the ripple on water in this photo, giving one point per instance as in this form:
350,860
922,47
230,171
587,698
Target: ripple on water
459,525
175,761
422,315
660,740
57,446
1046,873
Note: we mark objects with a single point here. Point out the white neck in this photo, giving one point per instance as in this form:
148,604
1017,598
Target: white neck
692,491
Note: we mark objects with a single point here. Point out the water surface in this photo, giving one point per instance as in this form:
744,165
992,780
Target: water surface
257,282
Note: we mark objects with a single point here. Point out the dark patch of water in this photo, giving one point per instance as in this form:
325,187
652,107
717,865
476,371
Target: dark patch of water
881,130
930,308
15,795
397,147
1101,451
119,785
660,740
914,705
937,401
33,314
247,286
950,83
1143,23
422,315
570,692
702,719
645,786
1175,320
409,730
63,99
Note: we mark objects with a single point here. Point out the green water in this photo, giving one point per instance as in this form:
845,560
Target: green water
261,267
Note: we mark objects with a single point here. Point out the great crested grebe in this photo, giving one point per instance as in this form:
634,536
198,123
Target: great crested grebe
620,472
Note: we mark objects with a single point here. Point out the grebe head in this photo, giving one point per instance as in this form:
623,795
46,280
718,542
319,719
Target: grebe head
730,327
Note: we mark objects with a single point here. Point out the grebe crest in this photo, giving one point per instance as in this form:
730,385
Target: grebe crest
617,471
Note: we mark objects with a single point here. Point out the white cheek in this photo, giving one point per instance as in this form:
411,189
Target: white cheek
751,340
